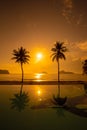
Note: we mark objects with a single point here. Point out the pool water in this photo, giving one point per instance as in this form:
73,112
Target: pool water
32,109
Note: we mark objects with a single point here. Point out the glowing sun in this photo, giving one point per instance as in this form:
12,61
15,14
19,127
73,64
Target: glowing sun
39,56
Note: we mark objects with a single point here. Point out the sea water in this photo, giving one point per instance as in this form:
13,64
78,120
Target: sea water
42,76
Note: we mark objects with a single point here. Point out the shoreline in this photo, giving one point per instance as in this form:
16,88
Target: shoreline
42,82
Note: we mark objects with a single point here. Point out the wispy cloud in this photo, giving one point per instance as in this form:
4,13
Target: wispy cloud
77,50
82,45
67,10
80,50
72,14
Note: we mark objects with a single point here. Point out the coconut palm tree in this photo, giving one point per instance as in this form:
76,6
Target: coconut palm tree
58,53
21,56
85,66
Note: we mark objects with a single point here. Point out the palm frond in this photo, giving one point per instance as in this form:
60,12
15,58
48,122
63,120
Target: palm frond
54,58
62,56
21,55
58,51
53,49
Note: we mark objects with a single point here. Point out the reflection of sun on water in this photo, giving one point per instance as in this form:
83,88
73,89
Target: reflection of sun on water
39,92
38,76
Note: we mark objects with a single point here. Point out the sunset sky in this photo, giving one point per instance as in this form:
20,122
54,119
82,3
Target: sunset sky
37,25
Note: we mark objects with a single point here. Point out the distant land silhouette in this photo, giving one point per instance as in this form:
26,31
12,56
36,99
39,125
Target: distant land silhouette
66,72
4,72
62,72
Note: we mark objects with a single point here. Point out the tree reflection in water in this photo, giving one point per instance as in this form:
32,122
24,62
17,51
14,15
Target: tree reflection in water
85,88
20,100
60,112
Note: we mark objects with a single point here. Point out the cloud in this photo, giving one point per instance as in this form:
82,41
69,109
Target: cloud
82,46
77,50
67,10
68,4
73,13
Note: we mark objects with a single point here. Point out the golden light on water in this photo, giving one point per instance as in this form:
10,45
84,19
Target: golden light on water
39,92
38,76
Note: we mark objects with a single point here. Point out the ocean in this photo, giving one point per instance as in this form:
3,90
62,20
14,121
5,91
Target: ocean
43,77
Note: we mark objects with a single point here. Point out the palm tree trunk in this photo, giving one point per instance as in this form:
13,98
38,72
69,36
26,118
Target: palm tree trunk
58,80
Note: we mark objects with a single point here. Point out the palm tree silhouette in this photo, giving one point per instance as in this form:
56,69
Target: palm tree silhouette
85,72
85,66
21,56
58,53
20,100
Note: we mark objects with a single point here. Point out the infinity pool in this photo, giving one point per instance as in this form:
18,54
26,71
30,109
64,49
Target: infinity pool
31,108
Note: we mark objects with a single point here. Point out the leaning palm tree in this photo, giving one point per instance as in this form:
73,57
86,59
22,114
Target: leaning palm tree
58,53
21,56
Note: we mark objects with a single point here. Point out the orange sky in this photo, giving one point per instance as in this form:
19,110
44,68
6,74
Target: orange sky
37,25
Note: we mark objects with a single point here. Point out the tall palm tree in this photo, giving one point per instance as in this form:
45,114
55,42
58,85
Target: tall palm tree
85,66
21,56
58,53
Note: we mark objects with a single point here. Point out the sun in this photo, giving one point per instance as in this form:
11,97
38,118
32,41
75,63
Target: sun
39,56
